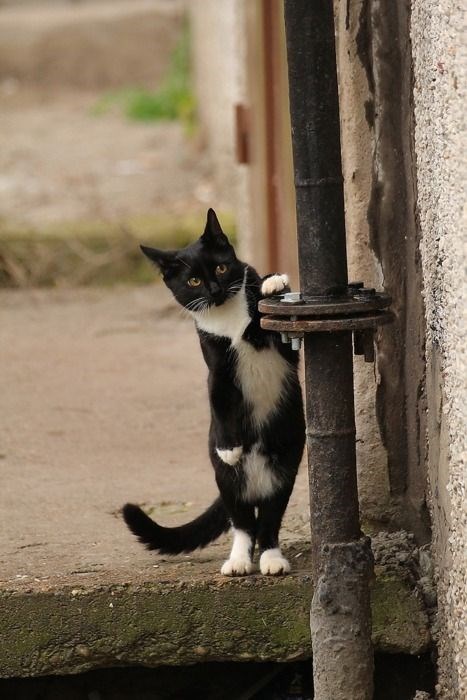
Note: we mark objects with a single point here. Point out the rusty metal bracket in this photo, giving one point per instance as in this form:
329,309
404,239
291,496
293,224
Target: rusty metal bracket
357,309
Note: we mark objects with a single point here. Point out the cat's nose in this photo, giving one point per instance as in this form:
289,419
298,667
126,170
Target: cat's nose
217,294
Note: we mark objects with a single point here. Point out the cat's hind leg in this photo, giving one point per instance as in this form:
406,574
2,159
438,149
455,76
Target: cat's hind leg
270,513
240,561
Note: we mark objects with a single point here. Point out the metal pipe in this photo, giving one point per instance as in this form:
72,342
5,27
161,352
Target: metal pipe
314,109
342,564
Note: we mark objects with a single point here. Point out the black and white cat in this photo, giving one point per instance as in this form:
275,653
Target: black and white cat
257,431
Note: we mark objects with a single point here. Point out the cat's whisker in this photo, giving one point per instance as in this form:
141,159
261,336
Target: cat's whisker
235,287
239,280
200,306
194,301
195,304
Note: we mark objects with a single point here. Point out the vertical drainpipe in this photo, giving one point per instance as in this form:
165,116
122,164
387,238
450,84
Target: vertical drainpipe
342,563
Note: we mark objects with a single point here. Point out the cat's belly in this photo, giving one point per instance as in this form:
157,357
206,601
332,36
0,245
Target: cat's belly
260,482
262,376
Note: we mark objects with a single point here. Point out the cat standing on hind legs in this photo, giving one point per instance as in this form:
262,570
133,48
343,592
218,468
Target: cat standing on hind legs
257,431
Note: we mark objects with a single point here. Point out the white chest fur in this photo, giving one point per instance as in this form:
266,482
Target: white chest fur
261,374
227,321
260,481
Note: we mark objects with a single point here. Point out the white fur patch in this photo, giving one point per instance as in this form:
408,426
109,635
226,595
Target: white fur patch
230,457
239,563
261,375
228,320
274,284
260,481
272,563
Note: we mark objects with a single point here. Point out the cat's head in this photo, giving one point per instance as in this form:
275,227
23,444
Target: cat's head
205,273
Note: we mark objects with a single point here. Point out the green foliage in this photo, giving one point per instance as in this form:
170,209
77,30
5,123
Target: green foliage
174,100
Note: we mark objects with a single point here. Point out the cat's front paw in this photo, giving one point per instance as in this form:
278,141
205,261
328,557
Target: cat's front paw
272,563
230,457
274,285
237,566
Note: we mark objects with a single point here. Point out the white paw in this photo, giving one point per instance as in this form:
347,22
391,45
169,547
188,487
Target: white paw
274,284
230,456
240,566
272,563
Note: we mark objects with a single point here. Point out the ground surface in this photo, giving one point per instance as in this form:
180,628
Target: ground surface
62,162
103,400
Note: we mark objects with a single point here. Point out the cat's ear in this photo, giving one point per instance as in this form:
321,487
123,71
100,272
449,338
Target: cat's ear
213,232
162,259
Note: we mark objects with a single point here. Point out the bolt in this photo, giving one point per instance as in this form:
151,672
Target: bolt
285,337
365,293
291,297
296,343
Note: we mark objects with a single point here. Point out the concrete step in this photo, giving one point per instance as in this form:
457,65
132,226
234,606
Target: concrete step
182,612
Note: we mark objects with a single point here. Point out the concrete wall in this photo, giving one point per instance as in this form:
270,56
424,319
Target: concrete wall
374,64
218,48
402,80
402,83
357,141
440,66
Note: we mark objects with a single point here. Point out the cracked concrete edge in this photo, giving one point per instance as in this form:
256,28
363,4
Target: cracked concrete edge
72,630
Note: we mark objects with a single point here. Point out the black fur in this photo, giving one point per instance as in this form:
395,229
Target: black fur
174,540
281,437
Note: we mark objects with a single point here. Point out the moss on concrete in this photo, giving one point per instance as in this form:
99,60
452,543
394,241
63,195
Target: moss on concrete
399,619
75,629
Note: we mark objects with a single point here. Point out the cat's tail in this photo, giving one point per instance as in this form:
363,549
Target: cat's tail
173,540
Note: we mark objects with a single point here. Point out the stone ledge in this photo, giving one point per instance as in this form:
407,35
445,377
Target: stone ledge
67,629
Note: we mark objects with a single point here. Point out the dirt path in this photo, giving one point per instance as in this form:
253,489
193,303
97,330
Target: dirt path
103,400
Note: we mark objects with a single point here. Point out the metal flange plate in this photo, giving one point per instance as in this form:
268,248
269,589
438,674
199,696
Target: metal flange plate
316,325
357,303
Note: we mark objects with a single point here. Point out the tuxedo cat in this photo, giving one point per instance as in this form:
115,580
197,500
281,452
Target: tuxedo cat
257,431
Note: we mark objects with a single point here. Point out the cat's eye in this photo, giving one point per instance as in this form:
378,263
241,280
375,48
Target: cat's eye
221,269
194,282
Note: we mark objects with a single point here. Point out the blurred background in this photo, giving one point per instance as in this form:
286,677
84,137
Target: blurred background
124,120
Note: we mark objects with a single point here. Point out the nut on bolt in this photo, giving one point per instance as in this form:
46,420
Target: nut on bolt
291,297
365,292
296,343
293,338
